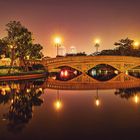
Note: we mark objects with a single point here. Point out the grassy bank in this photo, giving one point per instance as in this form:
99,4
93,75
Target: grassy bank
18,71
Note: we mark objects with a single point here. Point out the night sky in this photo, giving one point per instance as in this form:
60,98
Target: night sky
77,21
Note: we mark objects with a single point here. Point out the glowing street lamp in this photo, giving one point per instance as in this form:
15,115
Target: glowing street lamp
58,42
136,45
97,44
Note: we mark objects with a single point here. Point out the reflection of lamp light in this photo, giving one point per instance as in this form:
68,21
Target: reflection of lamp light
40,89
64,73
75,72
12,101
116,72
28,57
58,102
126,72
136,99
28,90
58,105
3,92
97,101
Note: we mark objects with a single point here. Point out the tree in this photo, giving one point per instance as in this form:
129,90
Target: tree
77,54
3,47
36,51
125,46
20,38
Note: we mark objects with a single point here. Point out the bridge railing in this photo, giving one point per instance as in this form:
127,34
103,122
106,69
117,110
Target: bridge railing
92,58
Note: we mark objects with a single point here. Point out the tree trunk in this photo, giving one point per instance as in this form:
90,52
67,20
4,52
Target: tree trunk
23,64
12,60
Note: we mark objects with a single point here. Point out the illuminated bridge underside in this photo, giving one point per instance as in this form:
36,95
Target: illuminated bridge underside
85,63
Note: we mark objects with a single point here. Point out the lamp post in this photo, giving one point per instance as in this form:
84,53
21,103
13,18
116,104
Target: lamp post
97,44
57,42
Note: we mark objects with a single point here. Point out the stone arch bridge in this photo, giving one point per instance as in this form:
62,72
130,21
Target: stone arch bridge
85,63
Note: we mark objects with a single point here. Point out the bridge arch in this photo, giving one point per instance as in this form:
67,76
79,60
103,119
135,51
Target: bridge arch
84,63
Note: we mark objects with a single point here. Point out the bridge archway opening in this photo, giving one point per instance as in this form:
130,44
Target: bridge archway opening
103,72
135,72
67,73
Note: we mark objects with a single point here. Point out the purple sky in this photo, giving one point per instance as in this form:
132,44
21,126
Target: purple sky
77,21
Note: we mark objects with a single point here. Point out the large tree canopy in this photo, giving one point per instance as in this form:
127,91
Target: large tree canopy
20,39
125,47
19,44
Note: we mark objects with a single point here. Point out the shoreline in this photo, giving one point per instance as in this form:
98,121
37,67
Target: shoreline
22,77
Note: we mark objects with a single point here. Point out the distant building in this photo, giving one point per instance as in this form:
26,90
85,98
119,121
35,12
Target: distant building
62,51
73,50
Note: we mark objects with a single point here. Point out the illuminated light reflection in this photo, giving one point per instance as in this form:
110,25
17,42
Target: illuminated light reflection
3,92
40,89
54,77
116,72
64,73
12,101
58,105
4,119
126,72
75,72
97,102
136,99
28,90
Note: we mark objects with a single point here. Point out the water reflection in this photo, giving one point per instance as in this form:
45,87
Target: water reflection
129,93
22,97
103,72
67,73
97,99
135,72
58,102
124,89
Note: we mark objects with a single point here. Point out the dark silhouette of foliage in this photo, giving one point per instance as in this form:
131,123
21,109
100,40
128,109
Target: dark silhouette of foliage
21,102
127,93
19,42
125,47
77,54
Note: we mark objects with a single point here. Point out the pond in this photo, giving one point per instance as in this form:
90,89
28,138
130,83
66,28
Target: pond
47,109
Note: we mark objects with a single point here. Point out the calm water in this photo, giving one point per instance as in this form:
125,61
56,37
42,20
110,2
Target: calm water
30,110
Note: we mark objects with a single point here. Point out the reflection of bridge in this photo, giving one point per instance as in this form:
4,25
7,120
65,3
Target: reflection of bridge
60,85
85,63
